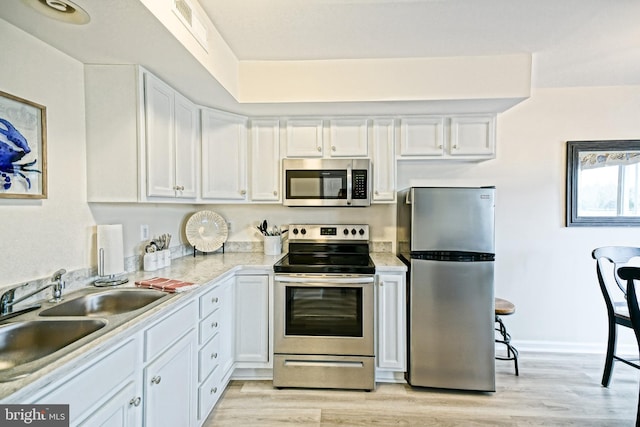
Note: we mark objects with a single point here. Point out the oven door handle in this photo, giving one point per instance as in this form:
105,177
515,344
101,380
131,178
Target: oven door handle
321,280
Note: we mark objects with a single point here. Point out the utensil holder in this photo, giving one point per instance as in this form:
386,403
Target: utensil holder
150,261
272,245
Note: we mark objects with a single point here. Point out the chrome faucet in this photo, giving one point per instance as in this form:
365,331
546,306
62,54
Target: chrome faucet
7,301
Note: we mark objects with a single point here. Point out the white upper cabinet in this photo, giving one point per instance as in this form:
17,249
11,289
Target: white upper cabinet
473,136
265,167
171,141
383,133
187,147
142,140
304,138
469,137
348,138
114,114
224,156
422,136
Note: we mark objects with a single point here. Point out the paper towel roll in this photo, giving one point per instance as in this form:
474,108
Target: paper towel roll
110,250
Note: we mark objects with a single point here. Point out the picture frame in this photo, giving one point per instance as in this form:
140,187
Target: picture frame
23,148
603,183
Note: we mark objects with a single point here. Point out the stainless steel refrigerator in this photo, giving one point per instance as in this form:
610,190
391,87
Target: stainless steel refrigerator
445,236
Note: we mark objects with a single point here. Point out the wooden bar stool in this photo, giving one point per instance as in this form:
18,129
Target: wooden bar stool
505,308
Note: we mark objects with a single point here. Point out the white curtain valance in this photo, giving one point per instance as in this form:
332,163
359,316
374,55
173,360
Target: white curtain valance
597,159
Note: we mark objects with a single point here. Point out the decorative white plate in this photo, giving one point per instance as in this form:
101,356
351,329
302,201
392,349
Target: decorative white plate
206,231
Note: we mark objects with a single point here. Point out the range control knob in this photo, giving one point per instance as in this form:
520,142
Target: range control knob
303,231
361,232
353,231
295,231
346,231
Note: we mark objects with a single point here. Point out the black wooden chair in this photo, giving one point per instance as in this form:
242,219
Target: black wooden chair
608,260
630,274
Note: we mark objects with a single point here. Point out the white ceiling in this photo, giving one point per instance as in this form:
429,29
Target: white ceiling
340,29
573,42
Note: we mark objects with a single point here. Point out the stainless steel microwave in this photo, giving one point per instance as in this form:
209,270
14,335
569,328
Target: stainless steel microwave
327,182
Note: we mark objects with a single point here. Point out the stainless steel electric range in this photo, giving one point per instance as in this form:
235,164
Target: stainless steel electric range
324,309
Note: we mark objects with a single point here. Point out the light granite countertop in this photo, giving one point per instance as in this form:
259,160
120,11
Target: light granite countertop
201,270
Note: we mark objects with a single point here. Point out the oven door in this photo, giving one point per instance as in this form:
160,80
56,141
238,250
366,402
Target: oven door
324,314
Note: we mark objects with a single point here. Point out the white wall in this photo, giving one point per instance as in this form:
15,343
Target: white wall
543,267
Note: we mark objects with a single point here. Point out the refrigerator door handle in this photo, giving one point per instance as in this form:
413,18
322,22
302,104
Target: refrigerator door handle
407,199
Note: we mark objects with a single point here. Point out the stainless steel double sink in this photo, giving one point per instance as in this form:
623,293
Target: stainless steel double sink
31,341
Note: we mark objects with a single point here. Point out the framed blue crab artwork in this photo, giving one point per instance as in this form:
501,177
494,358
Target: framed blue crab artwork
23,148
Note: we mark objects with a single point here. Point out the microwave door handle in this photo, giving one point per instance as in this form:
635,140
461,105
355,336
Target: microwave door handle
349,184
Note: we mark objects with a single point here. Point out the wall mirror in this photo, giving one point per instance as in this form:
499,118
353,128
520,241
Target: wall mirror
603,183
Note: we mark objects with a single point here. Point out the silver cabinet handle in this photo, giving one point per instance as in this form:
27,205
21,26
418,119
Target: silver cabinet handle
214,390
333,148
156,379
319,148
135,401
275,193
214,325
214,355
243,192
440,146
214,300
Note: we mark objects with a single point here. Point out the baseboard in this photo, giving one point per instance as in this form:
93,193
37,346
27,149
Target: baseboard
564,347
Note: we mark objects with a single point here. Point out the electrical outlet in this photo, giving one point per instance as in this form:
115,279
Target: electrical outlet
144,232
229,225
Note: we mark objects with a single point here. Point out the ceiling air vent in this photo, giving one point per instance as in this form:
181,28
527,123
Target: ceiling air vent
184,10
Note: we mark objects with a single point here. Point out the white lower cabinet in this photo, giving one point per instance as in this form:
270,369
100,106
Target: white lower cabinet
391,351
215,355
120,410
101,389
173,371
252,321
169,385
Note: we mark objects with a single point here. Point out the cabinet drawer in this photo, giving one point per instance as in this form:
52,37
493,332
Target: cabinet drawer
209,393
210,302
168,330
209,357
96,381
209,326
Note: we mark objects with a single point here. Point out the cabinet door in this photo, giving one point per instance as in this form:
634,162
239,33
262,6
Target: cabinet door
348,138
304,138
169,385
92,383
122,410
252,319
391,322
224,156
422,136
227,327
472,136
186,148
265,160
384,170
159,114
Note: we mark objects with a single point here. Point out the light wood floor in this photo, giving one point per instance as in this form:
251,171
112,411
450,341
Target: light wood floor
552,390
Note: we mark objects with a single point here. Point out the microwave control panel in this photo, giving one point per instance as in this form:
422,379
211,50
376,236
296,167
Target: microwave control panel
359,184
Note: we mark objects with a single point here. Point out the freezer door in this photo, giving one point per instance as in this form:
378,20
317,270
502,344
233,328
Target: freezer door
452,219
451,325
